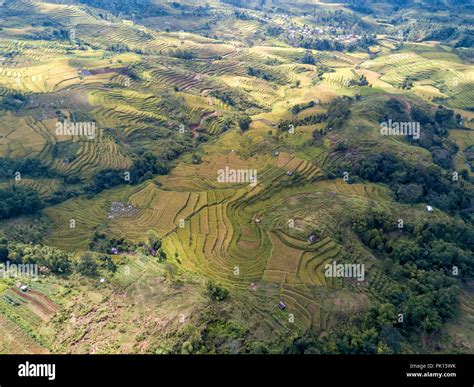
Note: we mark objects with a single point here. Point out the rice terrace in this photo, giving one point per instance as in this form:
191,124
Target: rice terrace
236,177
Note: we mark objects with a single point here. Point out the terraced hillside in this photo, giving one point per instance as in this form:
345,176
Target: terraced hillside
186,176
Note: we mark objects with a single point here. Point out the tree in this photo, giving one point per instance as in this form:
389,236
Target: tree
445,117
17,200
406,251
226,124
244,123
338,112
87,265
162,257
154,242
182,54
3,253
391,337
410,193
216,292
308,58
107,263
58,262
431,323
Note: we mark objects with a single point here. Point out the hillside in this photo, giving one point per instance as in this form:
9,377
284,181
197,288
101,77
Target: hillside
118,120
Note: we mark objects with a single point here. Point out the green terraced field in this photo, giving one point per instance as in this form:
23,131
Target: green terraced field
165,257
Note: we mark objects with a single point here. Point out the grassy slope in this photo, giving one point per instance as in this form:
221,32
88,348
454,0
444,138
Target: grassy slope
220,233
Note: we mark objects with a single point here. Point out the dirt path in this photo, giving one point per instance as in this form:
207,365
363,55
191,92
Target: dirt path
266,122
195,127
46,308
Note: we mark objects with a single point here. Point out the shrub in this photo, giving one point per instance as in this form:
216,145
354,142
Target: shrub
216,292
